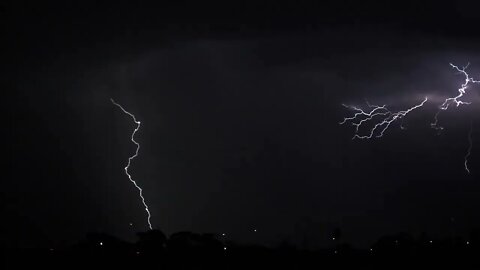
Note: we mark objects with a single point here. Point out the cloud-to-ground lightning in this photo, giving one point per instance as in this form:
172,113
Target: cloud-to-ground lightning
132,138
382,117
457,101
470,144
381,114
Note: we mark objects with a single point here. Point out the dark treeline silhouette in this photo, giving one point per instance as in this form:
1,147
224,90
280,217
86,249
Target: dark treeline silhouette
187,250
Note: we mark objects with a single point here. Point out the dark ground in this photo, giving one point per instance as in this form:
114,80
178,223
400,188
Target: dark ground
186,250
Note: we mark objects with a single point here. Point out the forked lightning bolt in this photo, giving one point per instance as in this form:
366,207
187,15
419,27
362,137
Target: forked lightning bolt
131,158
380,115
456,99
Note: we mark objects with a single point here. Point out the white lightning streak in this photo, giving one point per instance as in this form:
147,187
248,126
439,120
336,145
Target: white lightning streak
131,158
470,144
382,117
455,100
386,117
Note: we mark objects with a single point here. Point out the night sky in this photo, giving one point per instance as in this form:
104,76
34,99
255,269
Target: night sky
240,105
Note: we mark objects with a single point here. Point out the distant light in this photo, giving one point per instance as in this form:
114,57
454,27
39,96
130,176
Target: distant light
396,241
224,248
53,249
138,252
371,249
223,234
333,238
431,241
336,252
468,243
131,224
101,243
254,230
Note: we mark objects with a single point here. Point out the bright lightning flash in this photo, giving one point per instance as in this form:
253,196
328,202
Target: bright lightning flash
131,158
381,114
457,99
383,117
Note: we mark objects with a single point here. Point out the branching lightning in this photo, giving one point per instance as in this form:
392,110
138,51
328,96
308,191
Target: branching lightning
381,114
456,99
470,144
380,117
131,158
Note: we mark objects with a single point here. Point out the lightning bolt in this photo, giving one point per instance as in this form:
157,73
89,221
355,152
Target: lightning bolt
456,99
131,158
470,144
381,114
382,117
